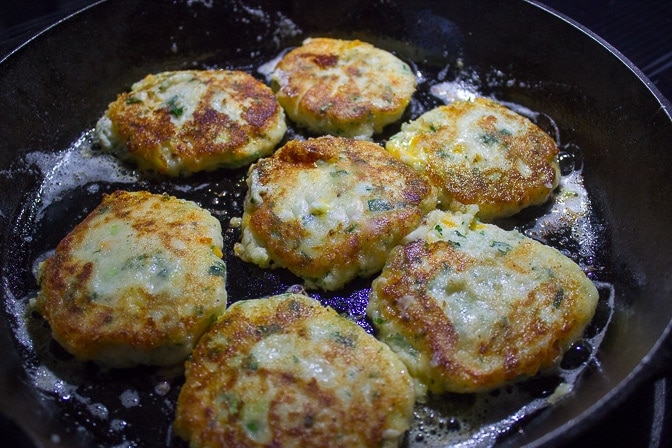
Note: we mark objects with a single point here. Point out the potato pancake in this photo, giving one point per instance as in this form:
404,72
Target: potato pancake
480,152
138,281
285,371
330,209
345,88
181,122
470,307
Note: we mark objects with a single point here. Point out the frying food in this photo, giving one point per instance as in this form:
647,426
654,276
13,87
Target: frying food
286,371
138,281
469,306
181,122
344,88
480,152
329,209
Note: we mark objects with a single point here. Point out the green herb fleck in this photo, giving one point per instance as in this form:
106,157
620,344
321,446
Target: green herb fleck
199,310
266,330
338,173
232,402
174,108
133,100
490,138
250,363
345,340
111,272
379,320
439,229
501,246
379,205
218,269
253,426
559,295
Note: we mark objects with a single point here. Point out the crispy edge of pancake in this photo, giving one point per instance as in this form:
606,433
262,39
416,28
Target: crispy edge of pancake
435,145
245,377
410,304
358,246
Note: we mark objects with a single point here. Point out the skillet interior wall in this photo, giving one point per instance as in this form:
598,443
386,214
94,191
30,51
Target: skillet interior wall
623,132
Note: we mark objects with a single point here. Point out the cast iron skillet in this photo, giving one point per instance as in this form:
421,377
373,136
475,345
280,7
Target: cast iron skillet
613,124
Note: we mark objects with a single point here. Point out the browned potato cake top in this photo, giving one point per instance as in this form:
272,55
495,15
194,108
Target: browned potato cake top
346,88
182,122
285,371
480,152
136,282
470,307
330,209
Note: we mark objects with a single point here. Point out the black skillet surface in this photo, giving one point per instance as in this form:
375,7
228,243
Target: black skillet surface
610,125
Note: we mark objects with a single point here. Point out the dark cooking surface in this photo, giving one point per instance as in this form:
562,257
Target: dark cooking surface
639,29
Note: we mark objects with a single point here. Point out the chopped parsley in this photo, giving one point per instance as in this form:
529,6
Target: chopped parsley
253,426
501,246
218,269
379,205
232,402
379,320
345,340
490,138
174,108
250,363
338,173
559,295
266,330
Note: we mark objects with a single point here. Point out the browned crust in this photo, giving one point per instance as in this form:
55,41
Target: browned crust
520,344
317,422
367,162
86,326
196,143
499,193
307,89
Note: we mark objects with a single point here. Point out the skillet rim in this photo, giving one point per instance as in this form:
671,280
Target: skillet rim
650,366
